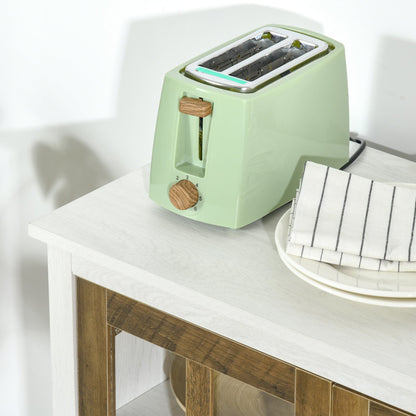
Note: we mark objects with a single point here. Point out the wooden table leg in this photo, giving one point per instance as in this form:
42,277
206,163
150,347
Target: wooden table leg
313,395
345,402
96,378
199,390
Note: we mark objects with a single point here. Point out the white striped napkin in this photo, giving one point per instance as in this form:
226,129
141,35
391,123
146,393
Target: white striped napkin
349,220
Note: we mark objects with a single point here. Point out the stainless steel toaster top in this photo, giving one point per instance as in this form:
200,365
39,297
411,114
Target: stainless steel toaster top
254,60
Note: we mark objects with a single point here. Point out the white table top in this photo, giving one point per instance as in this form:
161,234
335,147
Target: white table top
233,282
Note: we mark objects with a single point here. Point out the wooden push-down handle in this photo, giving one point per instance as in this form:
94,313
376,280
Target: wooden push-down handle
195,107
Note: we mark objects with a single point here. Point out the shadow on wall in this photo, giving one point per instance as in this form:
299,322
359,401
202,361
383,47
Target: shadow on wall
68,169
394,96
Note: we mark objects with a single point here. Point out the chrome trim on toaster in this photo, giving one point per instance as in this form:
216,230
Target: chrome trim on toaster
266,48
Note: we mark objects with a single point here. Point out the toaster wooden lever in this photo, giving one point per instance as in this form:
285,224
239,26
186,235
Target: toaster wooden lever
195,107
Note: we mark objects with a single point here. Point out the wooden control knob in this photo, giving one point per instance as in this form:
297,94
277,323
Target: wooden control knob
183,194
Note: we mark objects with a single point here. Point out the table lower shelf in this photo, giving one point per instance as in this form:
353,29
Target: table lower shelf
158,401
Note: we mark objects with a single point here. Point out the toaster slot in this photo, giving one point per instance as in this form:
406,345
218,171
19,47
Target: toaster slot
242,51
257,59
273,61
200,137
192,137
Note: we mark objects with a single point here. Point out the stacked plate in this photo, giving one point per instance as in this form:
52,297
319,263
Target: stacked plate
366,286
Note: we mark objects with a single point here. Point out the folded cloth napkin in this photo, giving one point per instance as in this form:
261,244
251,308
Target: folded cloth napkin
348,220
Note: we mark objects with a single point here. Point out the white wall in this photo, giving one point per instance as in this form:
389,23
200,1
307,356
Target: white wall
65,61
79,89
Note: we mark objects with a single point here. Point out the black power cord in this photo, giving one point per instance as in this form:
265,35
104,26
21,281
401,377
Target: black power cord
356,153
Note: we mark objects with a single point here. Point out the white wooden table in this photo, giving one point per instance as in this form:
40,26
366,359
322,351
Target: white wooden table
229,282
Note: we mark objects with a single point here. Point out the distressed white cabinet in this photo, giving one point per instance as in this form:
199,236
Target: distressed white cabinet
228,283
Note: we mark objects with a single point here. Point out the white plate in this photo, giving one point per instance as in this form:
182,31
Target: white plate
381,288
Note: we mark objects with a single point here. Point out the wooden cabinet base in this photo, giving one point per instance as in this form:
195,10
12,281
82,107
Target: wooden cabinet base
313,395
345,402
100,312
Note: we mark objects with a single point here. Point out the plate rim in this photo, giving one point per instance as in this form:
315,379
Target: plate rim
355,297
287,259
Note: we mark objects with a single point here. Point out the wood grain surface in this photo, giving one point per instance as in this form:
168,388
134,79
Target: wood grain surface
204,347
348,403
183,195
377,409
195,107
231,397
313,395
95,352
199,391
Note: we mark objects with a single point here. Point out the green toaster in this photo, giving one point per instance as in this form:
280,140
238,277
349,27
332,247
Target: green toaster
236,124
